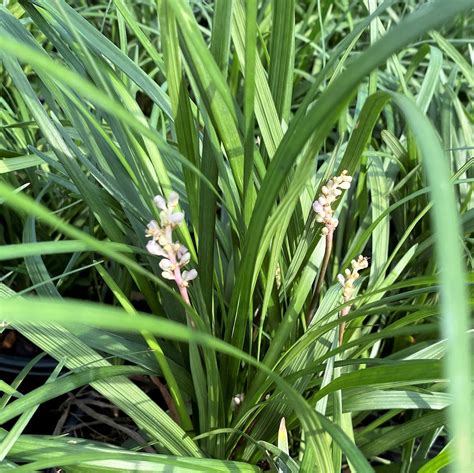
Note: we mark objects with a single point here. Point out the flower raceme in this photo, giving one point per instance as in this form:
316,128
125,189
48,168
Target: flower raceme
174,254
347,280
329,193
325,214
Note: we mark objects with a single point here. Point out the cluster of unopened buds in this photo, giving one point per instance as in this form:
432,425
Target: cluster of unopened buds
175,255
347,279
329,193
237,400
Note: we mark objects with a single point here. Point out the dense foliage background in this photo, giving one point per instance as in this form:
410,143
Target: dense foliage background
246,109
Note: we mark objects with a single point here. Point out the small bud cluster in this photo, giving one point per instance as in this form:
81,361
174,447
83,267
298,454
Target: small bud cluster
278,276
329,193
237,400
175,255
347,280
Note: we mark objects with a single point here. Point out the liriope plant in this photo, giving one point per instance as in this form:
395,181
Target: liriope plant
140,139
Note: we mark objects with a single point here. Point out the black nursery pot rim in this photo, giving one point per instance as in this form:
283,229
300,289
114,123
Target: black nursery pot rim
14,364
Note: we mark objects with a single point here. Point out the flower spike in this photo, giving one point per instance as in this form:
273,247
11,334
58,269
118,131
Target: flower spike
174,254
325,214
347,280
329,193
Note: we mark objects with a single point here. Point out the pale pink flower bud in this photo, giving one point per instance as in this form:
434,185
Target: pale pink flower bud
168,218
163,240
173,199
160,202
168,275
176,218
317,207
155,249
181,250
153,230
189,276
184,259
166,265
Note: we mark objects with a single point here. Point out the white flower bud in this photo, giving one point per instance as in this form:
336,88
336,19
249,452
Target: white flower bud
180,250
166,265
153,230
173,200
160,202
190,275
168,275
317,207
237,401
185,259
163,240
176,218
155,249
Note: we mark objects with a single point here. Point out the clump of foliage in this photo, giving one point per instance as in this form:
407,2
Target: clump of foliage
140,137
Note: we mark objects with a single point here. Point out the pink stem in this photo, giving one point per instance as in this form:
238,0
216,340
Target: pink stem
179,278
342,327
183,290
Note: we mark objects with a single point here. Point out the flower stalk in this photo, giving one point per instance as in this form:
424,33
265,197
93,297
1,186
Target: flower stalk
174,257
325,214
